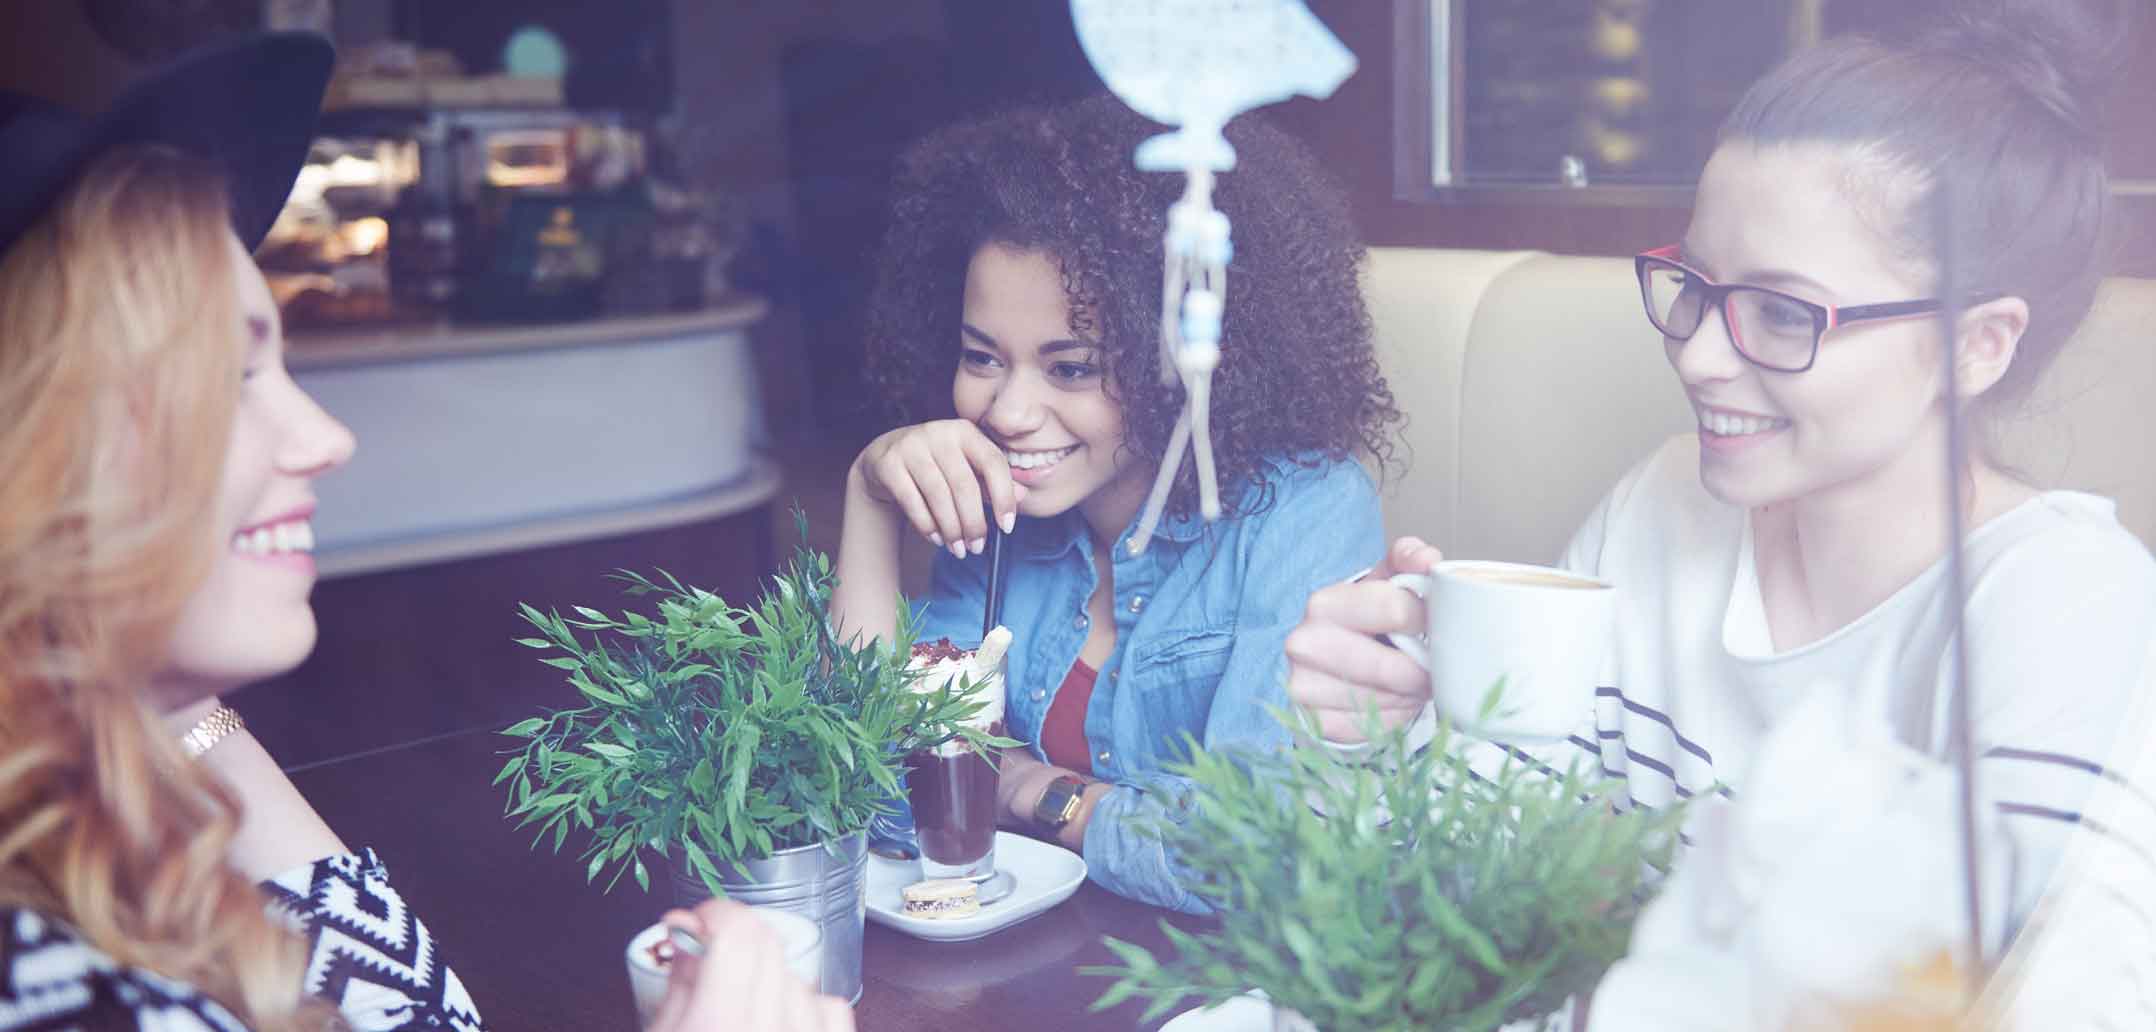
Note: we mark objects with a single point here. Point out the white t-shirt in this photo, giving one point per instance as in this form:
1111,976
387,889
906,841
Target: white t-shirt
2061,645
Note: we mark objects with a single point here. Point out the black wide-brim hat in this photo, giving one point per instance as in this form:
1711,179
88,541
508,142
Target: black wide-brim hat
247,105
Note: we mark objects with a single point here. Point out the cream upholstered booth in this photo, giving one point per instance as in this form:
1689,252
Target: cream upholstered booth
1531,382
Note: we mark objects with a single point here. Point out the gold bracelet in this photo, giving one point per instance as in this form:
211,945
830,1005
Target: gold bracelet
207,732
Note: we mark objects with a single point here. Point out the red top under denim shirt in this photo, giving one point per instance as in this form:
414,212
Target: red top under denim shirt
1063,729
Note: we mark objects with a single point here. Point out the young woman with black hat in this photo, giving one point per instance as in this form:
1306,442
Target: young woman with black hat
156,870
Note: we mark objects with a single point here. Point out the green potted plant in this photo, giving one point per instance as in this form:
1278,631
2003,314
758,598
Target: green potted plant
1398,889
744,749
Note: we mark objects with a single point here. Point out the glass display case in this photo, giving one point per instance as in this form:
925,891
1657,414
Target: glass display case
1583,100
1618,101
476,214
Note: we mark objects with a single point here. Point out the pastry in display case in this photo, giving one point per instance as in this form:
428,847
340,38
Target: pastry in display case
480,214
326,257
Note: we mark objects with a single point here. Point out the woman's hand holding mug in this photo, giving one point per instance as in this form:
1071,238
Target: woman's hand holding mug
1457,630
1339,665
742,980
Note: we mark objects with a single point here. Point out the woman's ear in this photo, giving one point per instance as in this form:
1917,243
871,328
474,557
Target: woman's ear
1990,336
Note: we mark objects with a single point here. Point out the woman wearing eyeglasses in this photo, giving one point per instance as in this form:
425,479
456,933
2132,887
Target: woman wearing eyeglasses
1797,542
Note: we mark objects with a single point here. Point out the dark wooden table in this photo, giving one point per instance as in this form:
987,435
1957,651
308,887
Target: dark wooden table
541,950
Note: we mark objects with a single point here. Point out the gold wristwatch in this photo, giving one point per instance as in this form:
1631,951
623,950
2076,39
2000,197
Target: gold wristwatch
1059,805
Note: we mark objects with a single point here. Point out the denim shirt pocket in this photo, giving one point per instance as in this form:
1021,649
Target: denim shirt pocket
1178,679
1195,650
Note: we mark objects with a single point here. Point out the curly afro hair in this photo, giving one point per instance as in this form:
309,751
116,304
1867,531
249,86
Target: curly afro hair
1298,374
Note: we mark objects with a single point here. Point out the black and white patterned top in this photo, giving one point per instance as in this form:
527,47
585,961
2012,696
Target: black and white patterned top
368,954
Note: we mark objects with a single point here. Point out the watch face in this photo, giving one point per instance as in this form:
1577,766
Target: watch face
1055,807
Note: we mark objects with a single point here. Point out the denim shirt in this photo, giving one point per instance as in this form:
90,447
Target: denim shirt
1200,620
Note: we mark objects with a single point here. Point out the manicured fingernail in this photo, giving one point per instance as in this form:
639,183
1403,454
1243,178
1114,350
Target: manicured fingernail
935,539
977,545
1008,521
958,549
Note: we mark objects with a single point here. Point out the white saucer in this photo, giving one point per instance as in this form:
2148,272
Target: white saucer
1045,874
1250,1012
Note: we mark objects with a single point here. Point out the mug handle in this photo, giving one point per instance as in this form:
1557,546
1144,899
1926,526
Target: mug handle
1416,646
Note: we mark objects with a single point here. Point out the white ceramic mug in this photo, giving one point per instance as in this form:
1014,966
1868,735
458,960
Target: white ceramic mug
1545,632
800,937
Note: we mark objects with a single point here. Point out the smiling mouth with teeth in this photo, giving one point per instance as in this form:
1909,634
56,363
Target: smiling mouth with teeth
287,538
1037,459
1723,424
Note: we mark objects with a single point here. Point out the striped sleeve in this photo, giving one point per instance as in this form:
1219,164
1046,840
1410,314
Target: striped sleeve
2062,648
2085,958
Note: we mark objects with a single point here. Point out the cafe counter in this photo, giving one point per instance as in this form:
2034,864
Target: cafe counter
479,441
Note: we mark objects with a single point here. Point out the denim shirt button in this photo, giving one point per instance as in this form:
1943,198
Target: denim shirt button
1104,756
1137,603
1078,622
1038,695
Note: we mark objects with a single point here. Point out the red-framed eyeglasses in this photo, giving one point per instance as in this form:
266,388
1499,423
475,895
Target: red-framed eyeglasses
1771,329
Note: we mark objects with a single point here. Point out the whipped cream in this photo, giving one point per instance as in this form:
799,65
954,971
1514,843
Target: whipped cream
981,670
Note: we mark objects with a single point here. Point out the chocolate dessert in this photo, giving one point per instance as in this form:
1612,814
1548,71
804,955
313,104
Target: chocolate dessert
952,789
954,803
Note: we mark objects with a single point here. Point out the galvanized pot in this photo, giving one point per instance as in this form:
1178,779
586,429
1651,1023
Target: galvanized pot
826,882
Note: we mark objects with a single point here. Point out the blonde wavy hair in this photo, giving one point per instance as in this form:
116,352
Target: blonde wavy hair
119,372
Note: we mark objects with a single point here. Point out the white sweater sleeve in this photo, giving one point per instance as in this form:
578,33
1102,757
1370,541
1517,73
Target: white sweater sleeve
2086,956
2086,959
2065,740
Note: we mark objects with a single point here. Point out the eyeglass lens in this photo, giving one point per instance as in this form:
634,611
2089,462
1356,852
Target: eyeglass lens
1769,328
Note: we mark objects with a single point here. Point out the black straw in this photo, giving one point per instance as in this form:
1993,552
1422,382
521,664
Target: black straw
994,615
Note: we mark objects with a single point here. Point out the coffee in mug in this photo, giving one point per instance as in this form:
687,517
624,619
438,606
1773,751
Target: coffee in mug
1533,578
1543,633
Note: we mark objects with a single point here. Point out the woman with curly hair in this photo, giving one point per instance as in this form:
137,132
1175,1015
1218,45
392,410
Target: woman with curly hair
1015,326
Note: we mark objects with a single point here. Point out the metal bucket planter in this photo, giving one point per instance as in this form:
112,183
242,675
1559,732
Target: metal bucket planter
823,882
